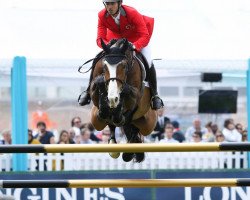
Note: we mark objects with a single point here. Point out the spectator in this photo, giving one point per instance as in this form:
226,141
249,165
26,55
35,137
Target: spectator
85,136
160,125
6,137
230,132
197,136
31,139
239,128
214,128
168,133
64,138
196,127
209,126
219,137
105,135
72,134
44,136
209,135
178,134
93,136
40,115
242,131
244,136
76,124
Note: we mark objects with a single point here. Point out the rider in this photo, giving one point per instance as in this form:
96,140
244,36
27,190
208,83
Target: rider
120,21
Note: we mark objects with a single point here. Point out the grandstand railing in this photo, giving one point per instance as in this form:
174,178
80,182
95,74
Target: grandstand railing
102,161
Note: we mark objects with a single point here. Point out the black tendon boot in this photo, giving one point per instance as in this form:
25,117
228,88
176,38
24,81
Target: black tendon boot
156,102
84,97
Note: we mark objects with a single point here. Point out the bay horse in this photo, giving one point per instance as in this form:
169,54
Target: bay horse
120,97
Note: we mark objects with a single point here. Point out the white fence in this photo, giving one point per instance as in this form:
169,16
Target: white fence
102,161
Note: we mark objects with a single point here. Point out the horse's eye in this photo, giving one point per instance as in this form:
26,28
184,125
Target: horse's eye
105,67
124,64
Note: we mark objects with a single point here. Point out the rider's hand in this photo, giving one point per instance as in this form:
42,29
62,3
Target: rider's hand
132,46
111,42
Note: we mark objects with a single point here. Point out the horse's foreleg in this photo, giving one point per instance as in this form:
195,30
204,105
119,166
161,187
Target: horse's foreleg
98,123
112,140
117,116
103,99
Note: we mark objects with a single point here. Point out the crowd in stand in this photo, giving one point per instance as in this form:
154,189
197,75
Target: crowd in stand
166,131
169,131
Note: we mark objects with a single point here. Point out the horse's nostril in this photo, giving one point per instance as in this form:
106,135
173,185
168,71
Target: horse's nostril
116,99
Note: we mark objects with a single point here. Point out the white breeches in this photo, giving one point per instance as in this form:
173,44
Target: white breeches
146,51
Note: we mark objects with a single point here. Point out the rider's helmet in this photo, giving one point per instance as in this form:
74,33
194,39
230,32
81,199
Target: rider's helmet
112,1
107,1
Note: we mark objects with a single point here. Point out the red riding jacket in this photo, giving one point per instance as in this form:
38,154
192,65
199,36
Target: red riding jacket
136,28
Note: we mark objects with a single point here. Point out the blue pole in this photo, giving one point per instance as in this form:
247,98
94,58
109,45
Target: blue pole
248,107
19,111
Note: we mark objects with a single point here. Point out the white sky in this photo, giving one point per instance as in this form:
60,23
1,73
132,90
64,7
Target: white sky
184,29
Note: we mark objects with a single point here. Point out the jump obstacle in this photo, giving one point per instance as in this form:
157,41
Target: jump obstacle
126,183
132,147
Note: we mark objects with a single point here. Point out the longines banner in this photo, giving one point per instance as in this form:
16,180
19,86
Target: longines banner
207,193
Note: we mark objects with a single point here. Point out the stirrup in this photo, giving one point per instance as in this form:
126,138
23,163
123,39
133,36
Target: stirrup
156,105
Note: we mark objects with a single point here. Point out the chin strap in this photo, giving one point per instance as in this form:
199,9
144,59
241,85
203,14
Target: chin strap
118,9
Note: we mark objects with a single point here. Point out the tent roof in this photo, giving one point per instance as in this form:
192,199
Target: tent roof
66,29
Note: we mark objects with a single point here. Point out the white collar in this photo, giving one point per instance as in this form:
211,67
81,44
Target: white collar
117,18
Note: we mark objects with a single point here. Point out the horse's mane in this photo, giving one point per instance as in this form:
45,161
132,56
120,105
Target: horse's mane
117,43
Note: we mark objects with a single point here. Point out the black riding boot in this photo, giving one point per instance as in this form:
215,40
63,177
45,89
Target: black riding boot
84,97
156,102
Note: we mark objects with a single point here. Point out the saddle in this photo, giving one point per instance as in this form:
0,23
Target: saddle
143,64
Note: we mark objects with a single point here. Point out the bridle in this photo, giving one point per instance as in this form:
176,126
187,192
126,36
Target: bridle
128,66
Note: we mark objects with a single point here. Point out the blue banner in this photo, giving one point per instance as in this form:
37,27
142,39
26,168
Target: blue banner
203,193
76,193
187,193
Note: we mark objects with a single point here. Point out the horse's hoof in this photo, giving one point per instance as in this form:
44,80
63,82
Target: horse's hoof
127,156
114,155
112,141
139,157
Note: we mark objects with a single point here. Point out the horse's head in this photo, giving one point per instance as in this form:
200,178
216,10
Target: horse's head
115,67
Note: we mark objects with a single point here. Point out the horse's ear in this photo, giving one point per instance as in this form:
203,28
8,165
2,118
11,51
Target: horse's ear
105,47
125,46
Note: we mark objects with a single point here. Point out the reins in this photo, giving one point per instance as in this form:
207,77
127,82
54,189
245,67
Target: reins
103,54
98,57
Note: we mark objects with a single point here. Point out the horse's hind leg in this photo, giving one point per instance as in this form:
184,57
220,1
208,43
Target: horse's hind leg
132,134
112,140
128,132
139,157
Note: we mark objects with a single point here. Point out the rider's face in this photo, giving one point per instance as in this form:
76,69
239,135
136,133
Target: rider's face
112,7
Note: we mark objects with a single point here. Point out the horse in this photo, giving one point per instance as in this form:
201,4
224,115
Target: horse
120,97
